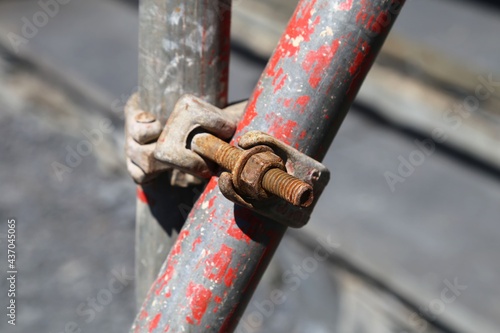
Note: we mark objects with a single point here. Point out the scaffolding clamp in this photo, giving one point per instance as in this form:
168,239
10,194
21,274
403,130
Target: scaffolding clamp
265,175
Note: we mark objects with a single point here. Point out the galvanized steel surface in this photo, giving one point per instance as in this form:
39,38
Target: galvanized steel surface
183,48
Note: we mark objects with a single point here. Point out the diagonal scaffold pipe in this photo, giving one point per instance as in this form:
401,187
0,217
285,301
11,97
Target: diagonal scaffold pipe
302,98
183,48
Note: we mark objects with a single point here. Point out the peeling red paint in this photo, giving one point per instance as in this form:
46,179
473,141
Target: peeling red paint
281,84
357,62
363,12
299,29
381,22
154,323
302,102
167,328
143,315
212,184
346,5
361,17
211,202
317,62
251,112
301,26
288,102
176,250
280,72
199,298
302,135
252,224
217,299
370,22
363,51
230,276
196,242
165,278
235,232
211,215
216,266
141,195
278,85
281,129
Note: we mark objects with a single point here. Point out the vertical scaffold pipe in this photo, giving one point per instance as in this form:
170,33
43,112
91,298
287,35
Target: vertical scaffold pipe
183,48
302,98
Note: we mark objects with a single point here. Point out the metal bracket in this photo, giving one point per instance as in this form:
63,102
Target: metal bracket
298,165
186,138
190,115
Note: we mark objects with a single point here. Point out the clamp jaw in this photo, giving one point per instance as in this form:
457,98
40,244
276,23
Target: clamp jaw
262,174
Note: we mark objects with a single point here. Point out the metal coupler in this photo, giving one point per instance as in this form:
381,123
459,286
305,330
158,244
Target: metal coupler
265,175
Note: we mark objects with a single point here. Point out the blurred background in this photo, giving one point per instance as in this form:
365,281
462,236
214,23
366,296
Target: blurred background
410,220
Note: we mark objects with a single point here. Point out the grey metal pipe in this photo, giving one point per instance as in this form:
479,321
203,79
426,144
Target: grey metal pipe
302,98
183,48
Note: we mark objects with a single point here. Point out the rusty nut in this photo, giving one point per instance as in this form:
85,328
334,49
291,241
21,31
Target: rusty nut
253,171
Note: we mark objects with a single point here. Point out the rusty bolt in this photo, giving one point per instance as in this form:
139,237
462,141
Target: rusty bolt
254,170
250,176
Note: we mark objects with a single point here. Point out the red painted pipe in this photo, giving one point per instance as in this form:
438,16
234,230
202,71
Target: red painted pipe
302,98
184,48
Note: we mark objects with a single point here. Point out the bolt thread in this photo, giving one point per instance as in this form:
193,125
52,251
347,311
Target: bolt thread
227,156
213,148
287,187
274,181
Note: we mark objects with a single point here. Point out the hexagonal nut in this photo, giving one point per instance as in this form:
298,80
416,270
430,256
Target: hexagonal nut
250,184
